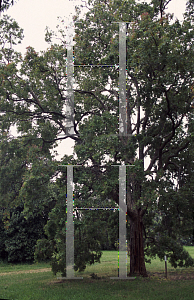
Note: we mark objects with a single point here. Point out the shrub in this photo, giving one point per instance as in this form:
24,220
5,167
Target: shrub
22,235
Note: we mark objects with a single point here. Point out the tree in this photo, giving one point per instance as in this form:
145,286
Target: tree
19,229
21,235
159,111
160,78
5,4
27,159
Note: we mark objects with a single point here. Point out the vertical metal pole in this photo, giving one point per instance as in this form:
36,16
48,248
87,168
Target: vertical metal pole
122,272
69,225
70,81
165,266
122,222
122,80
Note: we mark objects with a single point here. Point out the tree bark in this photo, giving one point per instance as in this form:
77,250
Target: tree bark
137,262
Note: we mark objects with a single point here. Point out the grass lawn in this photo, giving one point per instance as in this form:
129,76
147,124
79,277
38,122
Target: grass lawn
15,284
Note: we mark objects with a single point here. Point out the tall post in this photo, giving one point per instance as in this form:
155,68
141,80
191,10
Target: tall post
122,80
122,222
70,82
122,259
165,266
69,227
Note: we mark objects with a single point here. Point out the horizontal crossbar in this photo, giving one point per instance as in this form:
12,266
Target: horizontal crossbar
96,65
96,208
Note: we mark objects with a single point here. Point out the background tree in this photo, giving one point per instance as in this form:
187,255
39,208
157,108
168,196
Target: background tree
21,235
19,165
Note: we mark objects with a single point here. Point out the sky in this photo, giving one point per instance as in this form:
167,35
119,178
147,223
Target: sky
34,16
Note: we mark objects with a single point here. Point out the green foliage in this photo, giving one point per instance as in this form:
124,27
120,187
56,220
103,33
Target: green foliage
91,230
20,235
5,4
43,250
3,254
176,254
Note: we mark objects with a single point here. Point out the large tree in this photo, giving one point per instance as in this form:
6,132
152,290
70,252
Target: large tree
159,118
159,109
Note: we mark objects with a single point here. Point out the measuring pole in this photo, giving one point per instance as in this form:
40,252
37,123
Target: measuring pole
165,266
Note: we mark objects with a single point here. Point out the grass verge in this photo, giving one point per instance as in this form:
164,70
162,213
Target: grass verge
44,285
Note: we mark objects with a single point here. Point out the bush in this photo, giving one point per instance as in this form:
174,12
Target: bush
88,237
176,254
3,253
43,250
21,236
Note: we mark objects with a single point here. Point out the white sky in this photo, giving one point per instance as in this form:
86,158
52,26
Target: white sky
34,16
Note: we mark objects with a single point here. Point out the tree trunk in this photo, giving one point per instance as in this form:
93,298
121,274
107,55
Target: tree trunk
137,263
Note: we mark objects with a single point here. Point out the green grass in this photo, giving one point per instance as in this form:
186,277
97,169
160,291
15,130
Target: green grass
29,286
8,267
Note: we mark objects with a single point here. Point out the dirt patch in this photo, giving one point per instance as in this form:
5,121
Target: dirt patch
56,282
26,271
182,277
172,276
